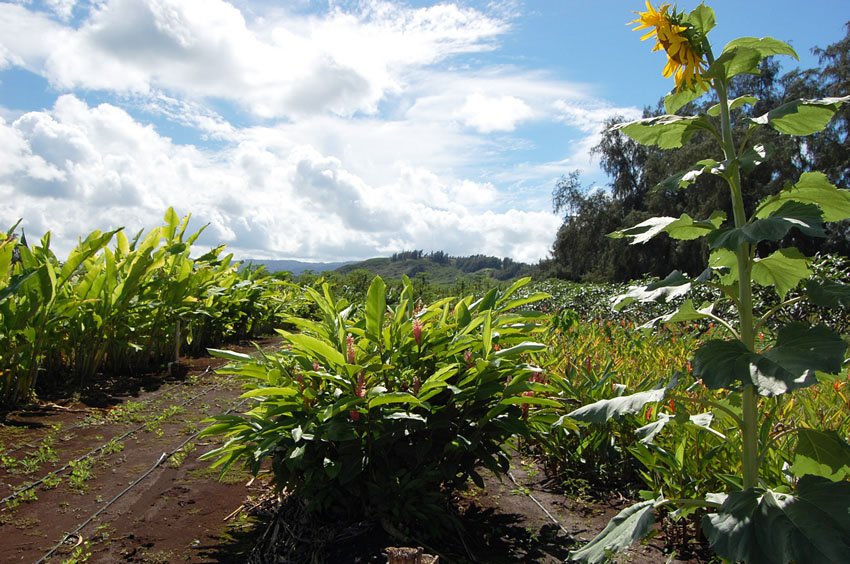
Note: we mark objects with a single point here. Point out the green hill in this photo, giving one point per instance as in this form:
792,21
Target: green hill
439,268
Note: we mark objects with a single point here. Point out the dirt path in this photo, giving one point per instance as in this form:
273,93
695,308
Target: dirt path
106,472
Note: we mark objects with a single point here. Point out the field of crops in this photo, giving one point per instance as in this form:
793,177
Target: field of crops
381,408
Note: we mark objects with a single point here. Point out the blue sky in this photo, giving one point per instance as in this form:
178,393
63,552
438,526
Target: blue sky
330,130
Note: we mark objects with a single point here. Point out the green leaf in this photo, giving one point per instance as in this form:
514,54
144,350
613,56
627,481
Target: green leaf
783,270
393,397
722,364
675,100
530,400
812,188
312,346
686,312
686,178
823,454
753,157
805,217
826,293
765,46
270,392
603,410
628,526
741,60
331,467
230,355
802,117
733,104
648,432
525,346
666,132
376,307
683,228
800,351
810,527
702,19
675,285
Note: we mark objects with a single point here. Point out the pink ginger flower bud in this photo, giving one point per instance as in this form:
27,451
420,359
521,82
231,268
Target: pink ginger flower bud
417,331
360,390
350,351
417,383
467,357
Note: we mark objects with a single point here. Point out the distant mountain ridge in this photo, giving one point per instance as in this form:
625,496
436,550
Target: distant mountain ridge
439,267
296,267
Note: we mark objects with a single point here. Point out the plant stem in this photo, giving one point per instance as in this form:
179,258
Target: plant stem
749,428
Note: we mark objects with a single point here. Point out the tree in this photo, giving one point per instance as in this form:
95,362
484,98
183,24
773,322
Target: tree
641,187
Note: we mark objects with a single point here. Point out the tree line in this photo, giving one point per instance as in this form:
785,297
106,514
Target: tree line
637,188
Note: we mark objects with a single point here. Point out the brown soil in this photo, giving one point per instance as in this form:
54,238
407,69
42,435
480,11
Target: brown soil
179,511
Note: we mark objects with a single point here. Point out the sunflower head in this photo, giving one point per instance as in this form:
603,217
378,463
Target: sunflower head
685,58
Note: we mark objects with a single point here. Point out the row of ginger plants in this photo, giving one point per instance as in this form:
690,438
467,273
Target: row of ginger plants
120,305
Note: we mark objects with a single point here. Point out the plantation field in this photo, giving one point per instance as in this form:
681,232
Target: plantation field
518,422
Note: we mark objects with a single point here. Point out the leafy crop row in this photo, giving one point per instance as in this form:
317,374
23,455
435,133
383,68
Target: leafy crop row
123,308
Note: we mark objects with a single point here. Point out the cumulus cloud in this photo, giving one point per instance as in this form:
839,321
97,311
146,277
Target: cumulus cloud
85,167
282,66
347,132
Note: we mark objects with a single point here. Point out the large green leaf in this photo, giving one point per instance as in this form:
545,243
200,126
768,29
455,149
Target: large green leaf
783,270
810,526
686,312
765,46
667,131
701,19
802,117
740,60
812,188
826,293
722,364
675,285
312,346
702,420
630,525
683,227
800,351
821,453
805,217
603,410
376,307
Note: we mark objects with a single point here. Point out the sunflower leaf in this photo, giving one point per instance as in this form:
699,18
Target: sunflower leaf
812,188
629,525
805,217
812,526
666,132
802,117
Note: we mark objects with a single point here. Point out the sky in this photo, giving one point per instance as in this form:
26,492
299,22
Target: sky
330,130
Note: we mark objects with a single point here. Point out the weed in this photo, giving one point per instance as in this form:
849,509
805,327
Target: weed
50,481
80,474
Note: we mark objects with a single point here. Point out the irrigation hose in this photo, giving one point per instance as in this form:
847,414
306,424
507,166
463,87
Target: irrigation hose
163,457
94,451
84,424
540,505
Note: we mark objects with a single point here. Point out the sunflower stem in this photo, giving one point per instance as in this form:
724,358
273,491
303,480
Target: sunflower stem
744,255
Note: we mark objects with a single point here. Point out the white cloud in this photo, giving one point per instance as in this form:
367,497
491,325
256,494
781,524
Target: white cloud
97,167
362,130
490,113
282,65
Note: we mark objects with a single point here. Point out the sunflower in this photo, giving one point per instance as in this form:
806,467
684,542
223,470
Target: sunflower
684,59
